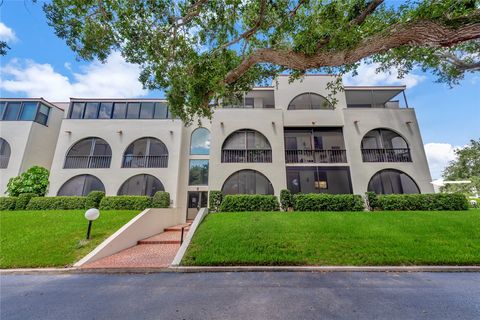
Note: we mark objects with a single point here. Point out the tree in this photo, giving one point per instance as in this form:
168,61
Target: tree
465,167
202,51
34,180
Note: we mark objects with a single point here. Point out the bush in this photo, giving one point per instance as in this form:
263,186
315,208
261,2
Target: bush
93,199
328,202
34,180
57,203
161,199
423,202
23,200
372,200
286,199
126,203
246,202
215,200
8,203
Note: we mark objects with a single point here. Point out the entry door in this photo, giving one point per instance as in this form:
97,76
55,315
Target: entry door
196,200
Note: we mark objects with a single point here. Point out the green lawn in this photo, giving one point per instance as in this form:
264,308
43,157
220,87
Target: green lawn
344,238
53,238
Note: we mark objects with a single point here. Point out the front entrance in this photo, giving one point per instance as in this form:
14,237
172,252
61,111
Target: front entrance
196,200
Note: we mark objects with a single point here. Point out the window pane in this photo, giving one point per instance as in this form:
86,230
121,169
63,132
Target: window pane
249,102
141,185
161,110
200,144
81,148
119,110
147,110
2,109
81,186
198,174
101,148
105,110
157,148
77,110
42,114
91,110
29,111
247,182
133,110
12,111
235,141
392,182
319,180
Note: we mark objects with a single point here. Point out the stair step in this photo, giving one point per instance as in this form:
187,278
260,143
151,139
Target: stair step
158,242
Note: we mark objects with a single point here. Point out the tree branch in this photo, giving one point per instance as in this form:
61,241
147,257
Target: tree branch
370,8
459,63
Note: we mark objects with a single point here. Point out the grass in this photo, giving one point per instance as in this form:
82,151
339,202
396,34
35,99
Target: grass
344,238
53,238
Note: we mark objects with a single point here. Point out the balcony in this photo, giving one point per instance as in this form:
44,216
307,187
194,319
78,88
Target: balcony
315,156
130,161
242,155
91,162
386,155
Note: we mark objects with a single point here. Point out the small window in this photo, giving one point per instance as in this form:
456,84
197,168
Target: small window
147,110
91,110
106,109
119,110
42,115
249,103
198,173
77,110
161,110
29,111
12,111
200,143
133,110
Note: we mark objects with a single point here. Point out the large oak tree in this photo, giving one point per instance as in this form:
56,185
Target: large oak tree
200,51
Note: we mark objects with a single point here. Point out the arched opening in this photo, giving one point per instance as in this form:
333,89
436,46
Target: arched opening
309,101
81,185
247,182
5,152
392,181
246,146
385,145
141,185
146,152
90,152
200,142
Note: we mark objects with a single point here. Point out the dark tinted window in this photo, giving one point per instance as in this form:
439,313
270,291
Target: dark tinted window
161,110
77,110
392,181
198,173
141,185
247,182
133,110
119,110
91,110
332,180
147,110
81,186
106,109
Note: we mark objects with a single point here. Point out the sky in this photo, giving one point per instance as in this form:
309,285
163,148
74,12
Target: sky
41,65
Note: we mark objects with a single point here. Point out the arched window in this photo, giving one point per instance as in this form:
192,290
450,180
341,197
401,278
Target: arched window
309,101
384,145
91,152
146,153
246,146
247,182
141,185
81,185
200,142
4,153
390,181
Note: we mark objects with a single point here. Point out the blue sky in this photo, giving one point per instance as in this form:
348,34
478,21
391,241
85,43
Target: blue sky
40,64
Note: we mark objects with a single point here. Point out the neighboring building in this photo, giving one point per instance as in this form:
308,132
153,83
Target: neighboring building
287,136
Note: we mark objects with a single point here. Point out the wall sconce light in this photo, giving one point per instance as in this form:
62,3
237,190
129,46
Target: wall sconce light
313,122
273,123
68,132
408,122
221,123
356,121
171,132
119,131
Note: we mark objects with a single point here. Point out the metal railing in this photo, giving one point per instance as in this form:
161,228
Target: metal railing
145,161
93,162
4,161
315,156
242,155
386,155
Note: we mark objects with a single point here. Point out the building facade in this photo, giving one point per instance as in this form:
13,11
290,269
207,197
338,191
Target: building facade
288,136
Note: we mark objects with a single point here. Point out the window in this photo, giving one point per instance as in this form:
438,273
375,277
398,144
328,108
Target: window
247,182
200,142
91,110
81,185
12,111
147,110
391,181
89,153
4,153
2,109
332,180
120,110
42,115
146,153
198,173
309,101
24,111
133,110
29,111
141,185
161,110
246,146
105,111
77,110
384,145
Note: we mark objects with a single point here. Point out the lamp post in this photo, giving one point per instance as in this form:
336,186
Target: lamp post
91,215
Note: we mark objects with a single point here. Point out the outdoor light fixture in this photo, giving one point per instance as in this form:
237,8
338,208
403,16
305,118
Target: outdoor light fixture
91,215
119,131
68,132
355,121
408,122
171,132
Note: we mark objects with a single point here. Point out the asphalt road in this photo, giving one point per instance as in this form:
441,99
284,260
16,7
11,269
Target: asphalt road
281,295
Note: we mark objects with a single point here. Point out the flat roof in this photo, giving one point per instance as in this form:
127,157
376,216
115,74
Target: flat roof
50,104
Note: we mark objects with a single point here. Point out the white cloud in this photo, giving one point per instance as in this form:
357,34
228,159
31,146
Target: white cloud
113,79
438,156
367,76
6,33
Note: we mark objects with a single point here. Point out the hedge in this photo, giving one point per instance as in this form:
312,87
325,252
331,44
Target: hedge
125,203
57,203
215,199
328,202
245,202
8,203
286,199
422,202
93,199
161,199
23,200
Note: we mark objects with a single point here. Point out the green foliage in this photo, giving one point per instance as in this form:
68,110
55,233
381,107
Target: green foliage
249,202
424,202
161,199
57,203
286,199
372,200
8,203
23,200
327,202
215,200
93,199
34,180
125,203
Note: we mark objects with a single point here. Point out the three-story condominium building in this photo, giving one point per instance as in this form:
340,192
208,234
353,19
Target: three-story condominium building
288,136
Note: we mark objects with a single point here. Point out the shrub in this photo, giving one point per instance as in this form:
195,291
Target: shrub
126,203
8,203
161,199
423,202
93,199
34,180
246,202
328,202
286,199
23,200
215,200
372,200
57,203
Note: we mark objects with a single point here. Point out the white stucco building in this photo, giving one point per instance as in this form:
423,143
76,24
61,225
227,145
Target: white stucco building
288,136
